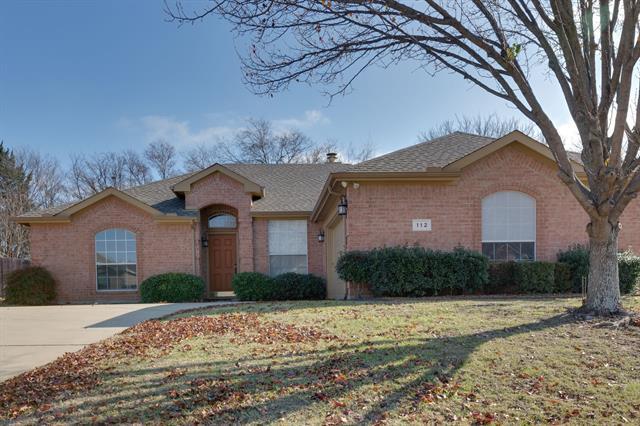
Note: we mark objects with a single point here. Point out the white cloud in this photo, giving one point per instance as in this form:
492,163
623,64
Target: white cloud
180,132
311,118
183,133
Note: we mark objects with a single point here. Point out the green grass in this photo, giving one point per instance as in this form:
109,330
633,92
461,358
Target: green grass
458,360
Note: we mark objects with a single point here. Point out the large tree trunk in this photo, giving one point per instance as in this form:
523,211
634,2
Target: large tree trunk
603,291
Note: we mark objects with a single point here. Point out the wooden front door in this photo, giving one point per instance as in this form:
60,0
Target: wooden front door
222,261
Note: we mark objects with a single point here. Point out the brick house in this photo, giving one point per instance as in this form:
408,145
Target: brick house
499,196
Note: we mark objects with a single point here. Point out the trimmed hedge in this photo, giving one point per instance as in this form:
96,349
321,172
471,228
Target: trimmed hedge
628,272
172,287
292,286
415,271
30,286
529,277
289,286
577,259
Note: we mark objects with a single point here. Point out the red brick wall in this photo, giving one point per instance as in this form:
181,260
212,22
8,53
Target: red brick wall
221,189
68,250
380,214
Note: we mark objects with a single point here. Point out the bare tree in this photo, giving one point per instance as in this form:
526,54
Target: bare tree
258,143
137,171
589,49
14,201
490,125
359,153
47,184
200,157
91,174
161,155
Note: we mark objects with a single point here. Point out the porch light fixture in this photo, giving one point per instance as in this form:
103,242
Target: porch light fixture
321,236
342,206
205,242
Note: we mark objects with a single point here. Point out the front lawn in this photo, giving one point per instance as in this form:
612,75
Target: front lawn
459,360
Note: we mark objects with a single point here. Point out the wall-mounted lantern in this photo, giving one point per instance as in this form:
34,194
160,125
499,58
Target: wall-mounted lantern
342,206
321,236
205,242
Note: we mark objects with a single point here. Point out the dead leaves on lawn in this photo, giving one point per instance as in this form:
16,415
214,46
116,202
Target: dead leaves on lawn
82,370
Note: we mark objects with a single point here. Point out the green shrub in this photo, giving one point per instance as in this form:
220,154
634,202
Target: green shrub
534,277
628,272
501,279
563,279
354,266
173,287
292,286
577,258
30,286
253,286
414,271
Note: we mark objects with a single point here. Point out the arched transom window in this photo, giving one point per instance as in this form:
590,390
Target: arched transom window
116,260
222,220
509,226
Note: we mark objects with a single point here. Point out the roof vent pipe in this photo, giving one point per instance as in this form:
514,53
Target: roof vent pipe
332,157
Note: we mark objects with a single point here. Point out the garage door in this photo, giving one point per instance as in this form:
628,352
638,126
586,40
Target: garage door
336,288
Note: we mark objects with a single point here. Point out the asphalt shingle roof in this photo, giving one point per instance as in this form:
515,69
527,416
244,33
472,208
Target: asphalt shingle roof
297,187
287,188
437,152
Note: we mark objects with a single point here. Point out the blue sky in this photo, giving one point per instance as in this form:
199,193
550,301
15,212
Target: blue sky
88,76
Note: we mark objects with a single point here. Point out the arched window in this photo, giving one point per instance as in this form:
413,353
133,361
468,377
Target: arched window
509,226
222,220
116,261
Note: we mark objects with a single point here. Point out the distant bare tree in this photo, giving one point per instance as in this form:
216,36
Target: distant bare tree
318,154
491,125
137,170
200,157
14,201
359,153
47,185
258,143
161,155
91,174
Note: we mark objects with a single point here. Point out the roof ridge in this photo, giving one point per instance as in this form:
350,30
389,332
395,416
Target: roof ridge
155,182
420,144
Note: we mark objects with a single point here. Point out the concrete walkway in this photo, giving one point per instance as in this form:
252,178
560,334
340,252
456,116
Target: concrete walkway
35,335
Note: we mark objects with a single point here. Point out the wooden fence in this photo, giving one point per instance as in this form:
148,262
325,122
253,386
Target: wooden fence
7,265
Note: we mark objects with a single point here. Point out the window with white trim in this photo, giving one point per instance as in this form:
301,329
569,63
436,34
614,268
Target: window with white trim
509,226
116,263
287,246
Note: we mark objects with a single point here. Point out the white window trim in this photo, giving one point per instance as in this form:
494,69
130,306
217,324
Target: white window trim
95,266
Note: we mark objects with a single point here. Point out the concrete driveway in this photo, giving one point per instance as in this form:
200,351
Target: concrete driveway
33,336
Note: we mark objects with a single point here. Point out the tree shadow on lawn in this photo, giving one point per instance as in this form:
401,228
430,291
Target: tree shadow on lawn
251,390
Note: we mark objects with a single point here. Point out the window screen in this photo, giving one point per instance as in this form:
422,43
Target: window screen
287,246
116,263
509,226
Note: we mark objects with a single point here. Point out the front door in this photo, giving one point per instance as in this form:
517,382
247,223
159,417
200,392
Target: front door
222,261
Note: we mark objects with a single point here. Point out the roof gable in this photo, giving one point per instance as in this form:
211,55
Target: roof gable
249,186
515,136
